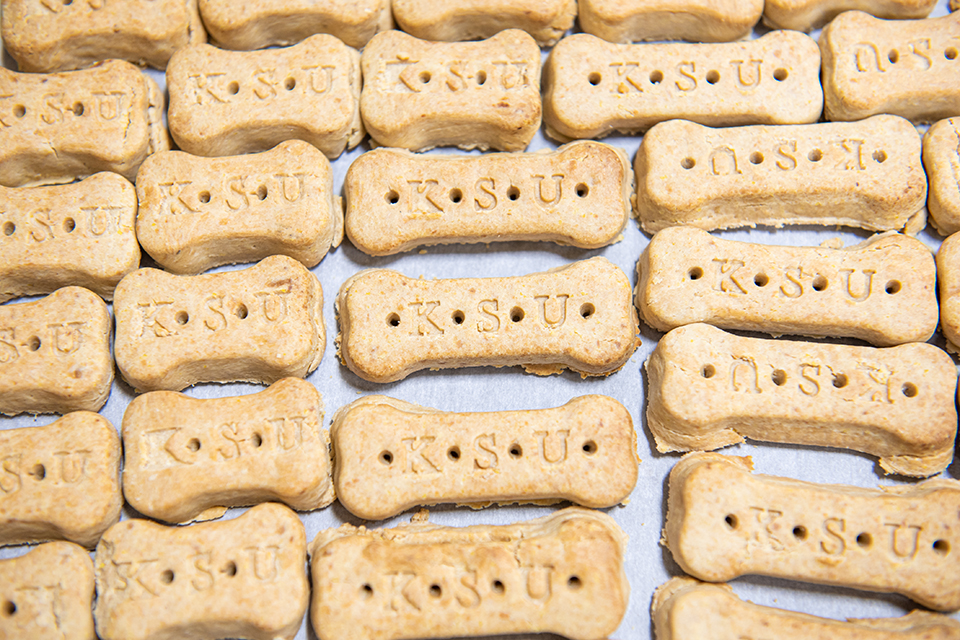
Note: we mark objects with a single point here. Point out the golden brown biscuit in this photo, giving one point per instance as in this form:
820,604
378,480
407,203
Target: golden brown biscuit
941,159
545,20
579,195
562,573
948,277
237,578
393,455
578,316
723,522
710,389
61,481
807,15
626,21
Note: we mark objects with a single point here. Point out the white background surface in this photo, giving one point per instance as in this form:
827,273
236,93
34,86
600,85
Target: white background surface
483,389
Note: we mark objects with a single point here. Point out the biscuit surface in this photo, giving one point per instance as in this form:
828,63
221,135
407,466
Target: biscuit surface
546,21
941,159
948,278
806,15
625,21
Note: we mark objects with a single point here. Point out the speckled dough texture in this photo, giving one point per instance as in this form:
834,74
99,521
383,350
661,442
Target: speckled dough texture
264,23
578,195
451,21
241,578
562,573
225,103
882,290
60,481
592,88
51,588
394,455
710,389
687,609
724,522
807,15
907,68
865,174
948,277
197,213
578,316
941,159
55,353
259,324
58,36
626,21
58,127
474,95
78,234
189,459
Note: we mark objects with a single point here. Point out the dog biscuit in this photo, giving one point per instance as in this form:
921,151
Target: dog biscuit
474,95
866,174
260,324
562,573
724,522
393,455
948,277
710,389
197,213
592,88
882,290
266,23
478,19
54,35
579,195
578,316
188,459
55,354
686,609
77,234
624,21
58,127
941,159
60,482
225,103
907,68
241,578
47,594
807,15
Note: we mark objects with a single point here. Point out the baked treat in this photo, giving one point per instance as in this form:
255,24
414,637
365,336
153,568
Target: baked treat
948,278
546,21
625,21
393,455
941,159
807,15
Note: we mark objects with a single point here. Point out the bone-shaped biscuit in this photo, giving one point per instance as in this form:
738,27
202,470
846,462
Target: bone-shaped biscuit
241,578
226,103
578,195
694,20
687,609
562,573
882,290
47,594
864,174
710,389
61,481
265,23
578,316
55,353
807,15
76,234
197,213
592,87
724,522
545,20
905,67
62,126
57,36
948,278
941,159
474,95
392,455
260,324
188,459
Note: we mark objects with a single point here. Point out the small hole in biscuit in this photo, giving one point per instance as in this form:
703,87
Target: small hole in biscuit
193,444
695,273
386,458
78,373
67,3
587,309
290,83
713,76
779,377
594,78
865,540
262,192
941,546
732,521
910,390
708,371
574,582
366,592
756,157
458,317
233,88
481,77
257,440
435,591
780,74
893,56
656,77
815,156
880,156
392,197
167,576
582,190
230,568
19,111
456,195
819,283
204,197
688,163
893,287
516,314
9,608
425,77
33,343
498,587
761,280
454,453
516,450
393,320
78,109
950,53
800,532
9,228
69,225
589,447
840,380
241,311
182,317
513,193
39,471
